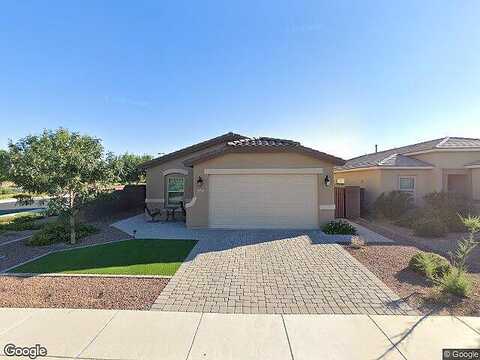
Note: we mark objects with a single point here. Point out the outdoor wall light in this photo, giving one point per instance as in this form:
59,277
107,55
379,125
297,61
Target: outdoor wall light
199,181
327,181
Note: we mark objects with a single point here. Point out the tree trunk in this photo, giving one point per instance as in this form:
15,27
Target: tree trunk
73,235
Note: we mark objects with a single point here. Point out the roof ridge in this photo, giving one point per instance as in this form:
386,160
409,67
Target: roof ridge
442,142
381,162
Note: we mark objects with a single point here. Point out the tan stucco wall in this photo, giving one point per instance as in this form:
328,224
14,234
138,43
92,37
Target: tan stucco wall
476,184
449,163
197,215
156,179
377,181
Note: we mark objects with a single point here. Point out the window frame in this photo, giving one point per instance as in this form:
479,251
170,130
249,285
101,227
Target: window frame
167,191
412,177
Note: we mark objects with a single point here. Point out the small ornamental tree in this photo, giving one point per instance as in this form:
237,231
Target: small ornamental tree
70,168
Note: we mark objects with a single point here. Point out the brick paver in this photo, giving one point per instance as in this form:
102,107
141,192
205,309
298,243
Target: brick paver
275,272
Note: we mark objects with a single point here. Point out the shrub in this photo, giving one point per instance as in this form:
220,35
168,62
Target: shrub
432,265
59,232
410,217
456,282
339,227
430,225
392,205
449,207
20,223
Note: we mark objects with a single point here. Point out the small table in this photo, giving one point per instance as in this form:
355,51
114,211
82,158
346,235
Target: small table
171,212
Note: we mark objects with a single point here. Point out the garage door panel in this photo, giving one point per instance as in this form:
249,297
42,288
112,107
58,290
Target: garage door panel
263,201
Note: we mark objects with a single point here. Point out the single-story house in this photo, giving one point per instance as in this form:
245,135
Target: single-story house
450,164
233,181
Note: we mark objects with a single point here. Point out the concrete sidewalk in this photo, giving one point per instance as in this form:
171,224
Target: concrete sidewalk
107,334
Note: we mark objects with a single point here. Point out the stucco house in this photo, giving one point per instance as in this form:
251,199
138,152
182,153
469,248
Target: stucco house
448,164
233,181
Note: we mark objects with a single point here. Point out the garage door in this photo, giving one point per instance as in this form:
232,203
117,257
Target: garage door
263,201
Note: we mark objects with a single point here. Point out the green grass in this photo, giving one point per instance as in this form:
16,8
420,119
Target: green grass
130,257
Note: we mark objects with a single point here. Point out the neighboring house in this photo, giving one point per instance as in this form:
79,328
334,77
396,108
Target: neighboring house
449,164
233,181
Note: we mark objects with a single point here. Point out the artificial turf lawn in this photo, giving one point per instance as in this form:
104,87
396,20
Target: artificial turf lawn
130,257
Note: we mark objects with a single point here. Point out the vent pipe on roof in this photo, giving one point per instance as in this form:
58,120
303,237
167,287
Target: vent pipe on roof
376,148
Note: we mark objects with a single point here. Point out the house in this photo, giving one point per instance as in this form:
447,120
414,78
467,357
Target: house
448,164
233,181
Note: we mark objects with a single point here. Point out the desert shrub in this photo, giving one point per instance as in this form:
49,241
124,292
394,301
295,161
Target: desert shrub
393,205
430,225
408,219
449,207
456,282
432,265
59,231
339,227
20,222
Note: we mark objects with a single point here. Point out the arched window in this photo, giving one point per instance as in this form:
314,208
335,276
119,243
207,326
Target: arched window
175,189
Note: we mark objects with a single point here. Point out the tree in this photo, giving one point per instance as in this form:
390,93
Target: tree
125,167
4,165
67,166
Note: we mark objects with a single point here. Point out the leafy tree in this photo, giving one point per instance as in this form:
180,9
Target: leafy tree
125,167
4,164
67,166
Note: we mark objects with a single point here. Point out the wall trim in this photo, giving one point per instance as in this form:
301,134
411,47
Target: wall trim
153,200
327,207
191,203
472,166
263,171
175,171
386,168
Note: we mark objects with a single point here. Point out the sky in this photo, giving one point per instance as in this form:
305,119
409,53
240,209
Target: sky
155,76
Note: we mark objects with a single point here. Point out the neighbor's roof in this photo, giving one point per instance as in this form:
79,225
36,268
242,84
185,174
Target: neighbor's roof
191,149
398,157
263,144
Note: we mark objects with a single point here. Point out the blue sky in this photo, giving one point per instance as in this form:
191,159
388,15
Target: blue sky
151,77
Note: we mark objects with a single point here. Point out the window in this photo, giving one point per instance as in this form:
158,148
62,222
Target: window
340,181
175,190
406,183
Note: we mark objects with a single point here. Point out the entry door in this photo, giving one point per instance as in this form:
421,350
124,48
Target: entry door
263,201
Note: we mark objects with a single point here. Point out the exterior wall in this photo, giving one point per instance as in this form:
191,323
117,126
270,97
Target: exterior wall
370,180
476,184
197,211
450,162
377,181
155,179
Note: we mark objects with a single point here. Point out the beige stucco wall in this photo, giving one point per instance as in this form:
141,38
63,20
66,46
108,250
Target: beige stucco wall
156,179
449,162
476,184
377,181
197,213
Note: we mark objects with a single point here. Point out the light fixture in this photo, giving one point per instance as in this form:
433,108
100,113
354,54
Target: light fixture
327,181
199,181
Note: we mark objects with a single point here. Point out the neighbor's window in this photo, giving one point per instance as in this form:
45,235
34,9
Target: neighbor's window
175,189
340,181
406,183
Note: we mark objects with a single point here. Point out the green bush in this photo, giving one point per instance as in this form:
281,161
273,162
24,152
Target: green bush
456,282
430,225
432,265
20,223
393,205
59,232
339,227
449,207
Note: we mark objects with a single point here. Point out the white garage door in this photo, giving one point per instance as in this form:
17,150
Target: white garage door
263,201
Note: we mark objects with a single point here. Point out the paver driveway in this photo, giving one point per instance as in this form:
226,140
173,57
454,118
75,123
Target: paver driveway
275,272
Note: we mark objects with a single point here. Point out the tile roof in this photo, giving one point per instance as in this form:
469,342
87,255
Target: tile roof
191,149
382,158
263,144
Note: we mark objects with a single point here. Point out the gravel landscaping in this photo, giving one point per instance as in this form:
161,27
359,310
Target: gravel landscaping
79,292
390,264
